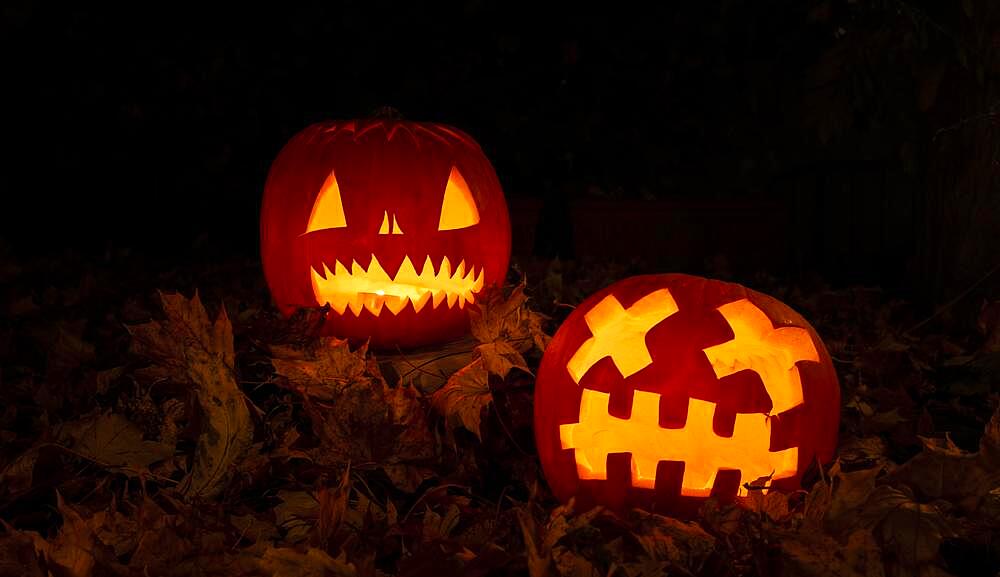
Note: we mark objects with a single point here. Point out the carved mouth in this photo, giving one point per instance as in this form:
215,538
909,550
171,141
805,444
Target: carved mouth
359,288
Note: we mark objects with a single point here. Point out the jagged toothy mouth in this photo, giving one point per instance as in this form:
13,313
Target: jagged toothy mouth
358,288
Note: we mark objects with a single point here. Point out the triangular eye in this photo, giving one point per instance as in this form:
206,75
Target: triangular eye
458,209
328,210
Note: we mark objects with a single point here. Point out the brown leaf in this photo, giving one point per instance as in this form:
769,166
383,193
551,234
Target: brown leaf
851,490
356,415
462,399
913,532
193,349
370,423
499,357
332,508
944,471
508,319
18,475
436,527
117,531
111,440
429,369
18,556
808,554
540,542
679,543
286,562
74,548
569,563
323,369
296,514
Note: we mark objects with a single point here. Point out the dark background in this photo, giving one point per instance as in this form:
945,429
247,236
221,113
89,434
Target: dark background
852,140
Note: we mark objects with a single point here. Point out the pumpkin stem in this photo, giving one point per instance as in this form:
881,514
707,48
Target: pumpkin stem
386,113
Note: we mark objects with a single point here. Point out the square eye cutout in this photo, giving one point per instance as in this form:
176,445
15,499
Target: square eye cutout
458,209
328,210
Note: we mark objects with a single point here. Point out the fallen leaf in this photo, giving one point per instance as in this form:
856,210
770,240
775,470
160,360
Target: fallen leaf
499,318
332,508
540,542
682,544
808,554
18,475
429,369
74,548
569,563
462,399
296,514
18,556
287,562
323,369
913,532
111,440
437,527
193,349
499,357
851,490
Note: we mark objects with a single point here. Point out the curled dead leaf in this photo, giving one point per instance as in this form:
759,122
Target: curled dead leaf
462,399
190,348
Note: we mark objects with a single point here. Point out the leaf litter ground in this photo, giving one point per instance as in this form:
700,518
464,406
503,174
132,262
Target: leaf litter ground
198,433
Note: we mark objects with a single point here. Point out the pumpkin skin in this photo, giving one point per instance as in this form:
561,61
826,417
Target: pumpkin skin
347,191
690,420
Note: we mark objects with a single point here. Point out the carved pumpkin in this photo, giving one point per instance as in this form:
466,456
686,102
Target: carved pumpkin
661,390
396,225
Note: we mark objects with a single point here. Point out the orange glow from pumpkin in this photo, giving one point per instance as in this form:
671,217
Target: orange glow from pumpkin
620,333
458,209
372,288
703,453
769,352
328,210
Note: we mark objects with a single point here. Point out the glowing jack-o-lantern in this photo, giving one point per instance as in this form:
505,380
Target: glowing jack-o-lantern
662,390
396,225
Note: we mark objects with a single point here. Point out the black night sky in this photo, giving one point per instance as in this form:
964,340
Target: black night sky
828,135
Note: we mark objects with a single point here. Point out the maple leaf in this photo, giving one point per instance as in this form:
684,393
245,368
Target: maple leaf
499,357
287,562
111,440
682,544
193,349
332,508
18,555
462,399
323,369
18,475
945,471
356,415
540,541
429,369
74,549
499,318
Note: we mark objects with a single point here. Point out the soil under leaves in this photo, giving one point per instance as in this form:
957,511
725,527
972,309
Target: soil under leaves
198,433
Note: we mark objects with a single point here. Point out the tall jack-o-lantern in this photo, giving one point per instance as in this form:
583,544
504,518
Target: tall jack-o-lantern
661,390
396,225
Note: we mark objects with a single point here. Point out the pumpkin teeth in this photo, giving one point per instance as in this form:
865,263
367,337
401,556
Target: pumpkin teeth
371,288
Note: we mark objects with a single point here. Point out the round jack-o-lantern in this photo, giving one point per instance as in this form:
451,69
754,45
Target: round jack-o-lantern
396,225
662,390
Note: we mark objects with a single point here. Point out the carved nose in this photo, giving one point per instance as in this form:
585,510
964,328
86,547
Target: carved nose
389,224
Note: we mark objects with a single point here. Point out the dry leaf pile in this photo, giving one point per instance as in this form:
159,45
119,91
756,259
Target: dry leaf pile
149,433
